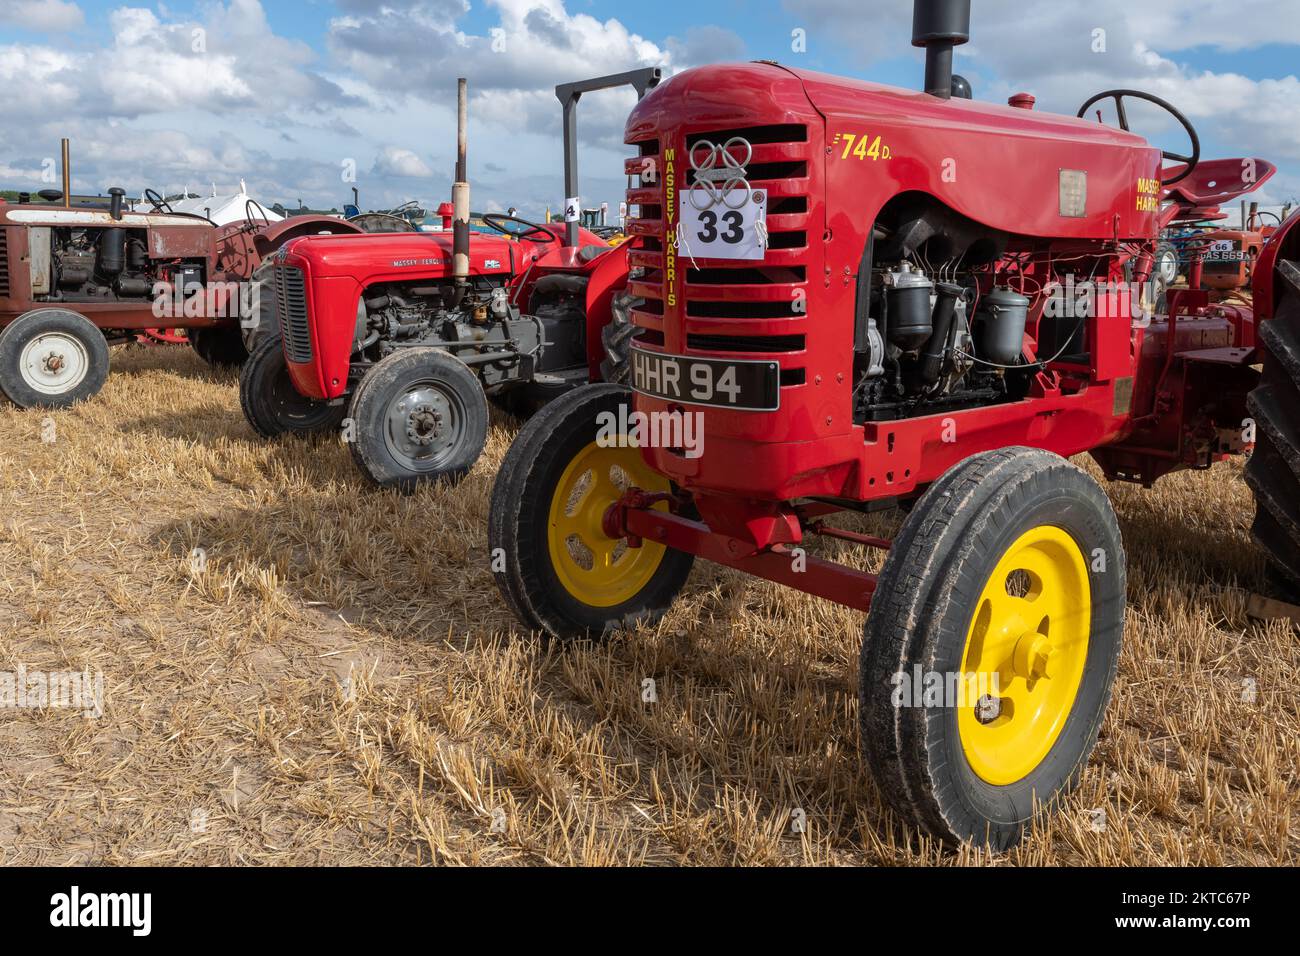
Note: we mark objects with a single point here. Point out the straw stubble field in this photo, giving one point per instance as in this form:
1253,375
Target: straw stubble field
340,683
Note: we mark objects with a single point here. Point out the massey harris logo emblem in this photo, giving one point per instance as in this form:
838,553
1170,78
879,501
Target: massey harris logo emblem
720,173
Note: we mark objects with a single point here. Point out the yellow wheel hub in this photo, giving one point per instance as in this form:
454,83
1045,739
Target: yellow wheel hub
594,568
1025,654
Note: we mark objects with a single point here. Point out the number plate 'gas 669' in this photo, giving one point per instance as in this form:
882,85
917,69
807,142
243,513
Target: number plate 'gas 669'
744,386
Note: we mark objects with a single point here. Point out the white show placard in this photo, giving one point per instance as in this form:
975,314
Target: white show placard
733,228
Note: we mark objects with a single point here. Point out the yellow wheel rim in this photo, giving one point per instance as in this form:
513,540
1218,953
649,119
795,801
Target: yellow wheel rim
1024,656
594,568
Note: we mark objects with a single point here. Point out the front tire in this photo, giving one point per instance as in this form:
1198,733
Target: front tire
1006,585
271,403
559,572
420,416
52,358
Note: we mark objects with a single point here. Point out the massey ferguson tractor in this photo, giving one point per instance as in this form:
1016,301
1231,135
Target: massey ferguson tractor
76,280
405,336
860,297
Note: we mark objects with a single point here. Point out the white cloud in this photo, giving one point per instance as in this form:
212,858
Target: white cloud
47,16
396,161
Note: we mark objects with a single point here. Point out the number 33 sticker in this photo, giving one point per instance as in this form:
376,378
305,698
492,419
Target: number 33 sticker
721,232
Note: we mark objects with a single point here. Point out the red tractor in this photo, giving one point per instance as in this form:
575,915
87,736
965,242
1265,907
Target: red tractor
865,297
75,280
404,337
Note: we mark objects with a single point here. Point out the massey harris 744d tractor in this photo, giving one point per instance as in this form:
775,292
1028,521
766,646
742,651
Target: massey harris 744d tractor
852,291
405,336
75,280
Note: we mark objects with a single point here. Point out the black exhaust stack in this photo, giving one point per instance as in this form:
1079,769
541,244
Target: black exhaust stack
940,25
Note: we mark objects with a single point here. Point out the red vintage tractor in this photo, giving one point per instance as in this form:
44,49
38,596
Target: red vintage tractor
866,297
75,280
405,336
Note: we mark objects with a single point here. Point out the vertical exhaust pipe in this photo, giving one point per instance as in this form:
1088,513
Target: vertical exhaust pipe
460,197
67,174
940,25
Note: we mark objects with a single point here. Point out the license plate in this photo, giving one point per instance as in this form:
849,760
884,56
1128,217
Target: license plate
722,383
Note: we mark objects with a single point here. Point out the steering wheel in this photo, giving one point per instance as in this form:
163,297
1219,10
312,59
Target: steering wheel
534,232
159,204
1119,95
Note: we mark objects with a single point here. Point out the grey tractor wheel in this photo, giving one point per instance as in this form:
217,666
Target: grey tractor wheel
418,416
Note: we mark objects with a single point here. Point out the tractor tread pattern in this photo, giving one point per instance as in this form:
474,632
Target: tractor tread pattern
1273,471
616,337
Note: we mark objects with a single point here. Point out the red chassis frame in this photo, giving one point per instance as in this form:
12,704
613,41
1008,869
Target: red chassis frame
1151,400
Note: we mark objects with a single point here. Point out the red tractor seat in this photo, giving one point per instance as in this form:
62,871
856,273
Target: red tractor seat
1217,181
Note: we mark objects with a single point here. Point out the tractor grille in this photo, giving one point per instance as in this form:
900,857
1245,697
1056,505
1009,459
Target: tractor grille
4,263
291,309
755,308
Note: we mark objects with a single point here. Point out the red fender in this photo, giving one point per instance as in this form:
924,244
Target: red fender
241,247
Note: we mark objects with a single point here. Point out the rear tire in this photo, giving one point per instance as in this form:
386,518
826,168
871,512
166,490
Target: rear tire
1273,471
554,485
995,572
271,403
52,358
419,416
616,337
220,347
525,401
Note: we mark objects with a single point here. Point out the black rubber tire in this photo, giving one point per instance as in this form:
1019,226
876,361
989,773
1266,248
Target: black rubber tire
383,385
921,615
221,347
263,320
526,400
270,402
616,338
518,523
23,330
1273,471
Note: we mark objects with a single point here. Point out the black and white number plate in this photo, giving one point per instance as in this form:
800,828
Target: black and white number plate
722,383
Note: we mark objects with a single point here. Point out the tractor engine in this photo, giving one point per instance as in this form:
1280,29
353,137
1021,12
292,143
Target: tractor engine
940,332
99,264
345,303
93,256
482,327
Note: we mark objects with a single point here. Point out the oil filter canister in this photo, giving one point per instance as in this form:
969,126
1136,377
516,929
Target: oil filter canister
908,308
1000,327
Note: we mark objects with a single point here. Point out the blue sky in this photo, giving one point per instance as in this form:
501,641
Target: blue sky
290,94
